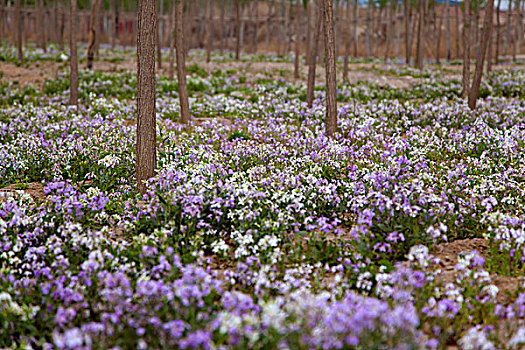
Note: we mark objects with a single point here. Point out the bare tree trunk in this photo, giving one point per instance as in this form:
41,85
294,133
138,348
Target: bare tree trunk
337,24
100,29
466,49
314,48
92,33
2,9
398,25
447,14
255,26
519,30
331,92
209,41
181,65
356,18
62,25
158,40
487,27
390,15
368,28
73,60
308,32
456,9
420,28
223,26
41,26
18,30
438,33
171,39
489,53
146,160
268,23
476,29
114,22
297,40
498,23
347,42
408,43
506,40
237,29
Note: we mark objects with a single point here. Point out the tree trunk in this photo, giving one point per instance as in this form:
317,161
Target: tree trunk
209,41
398,26
62,25
181,64
388,35
368,28
498,23
268,23
171,39
158,40
237,29
308,32
297,40
438,33
114,22
146,160
519,30
506,40
223,26
92,33
466,49
255,26
100,29
41,26
331,92
73,60
18,30
314,48
476,29
447,14
420,38
487,27
408,43
456,9
356,21
347,42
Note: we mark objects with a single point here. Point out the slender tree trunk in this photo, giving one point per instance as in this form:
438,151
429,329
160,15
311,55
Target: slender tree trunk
408,43
388,35
331,92
314,48
506,40
337,26
223,26
356,22
498,24
114,22
347,42
489,52
171,39
368,28
268,24
18,26
181,64
438,33
487,27
158,40
398,25
209,41
420,38
2,7
73,60
255,26
146,160
466,49
41,25
476,29
308,31
100,29
519,30
456,9
297,38
237,29
92,33
447,14
62,25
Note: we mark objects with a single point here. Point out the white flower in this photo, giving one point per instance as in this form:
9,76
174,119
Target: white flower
518,339
476,339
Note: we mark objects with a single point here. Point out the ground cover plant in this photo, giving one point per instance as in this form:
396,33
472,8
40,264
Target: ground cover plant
404,231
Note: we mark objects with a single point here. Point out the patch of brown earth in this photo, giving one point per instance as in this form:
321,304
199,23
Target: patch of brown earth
31,73
34,189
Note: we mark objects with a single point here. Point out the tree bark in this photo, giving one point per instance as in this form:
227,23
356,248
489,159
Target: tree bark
466,49
18,30
368,28
487,27
331,101
308,32
41,25
223,26
255,26
347,43
506,40
237,29
171,39
297,38
146,160
456,8
356,21
158,42
73,59
269,23
181,64
447,14
211,31
420,36
62,25
408,42
438,33
314,48
92,33
498,23
519,30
